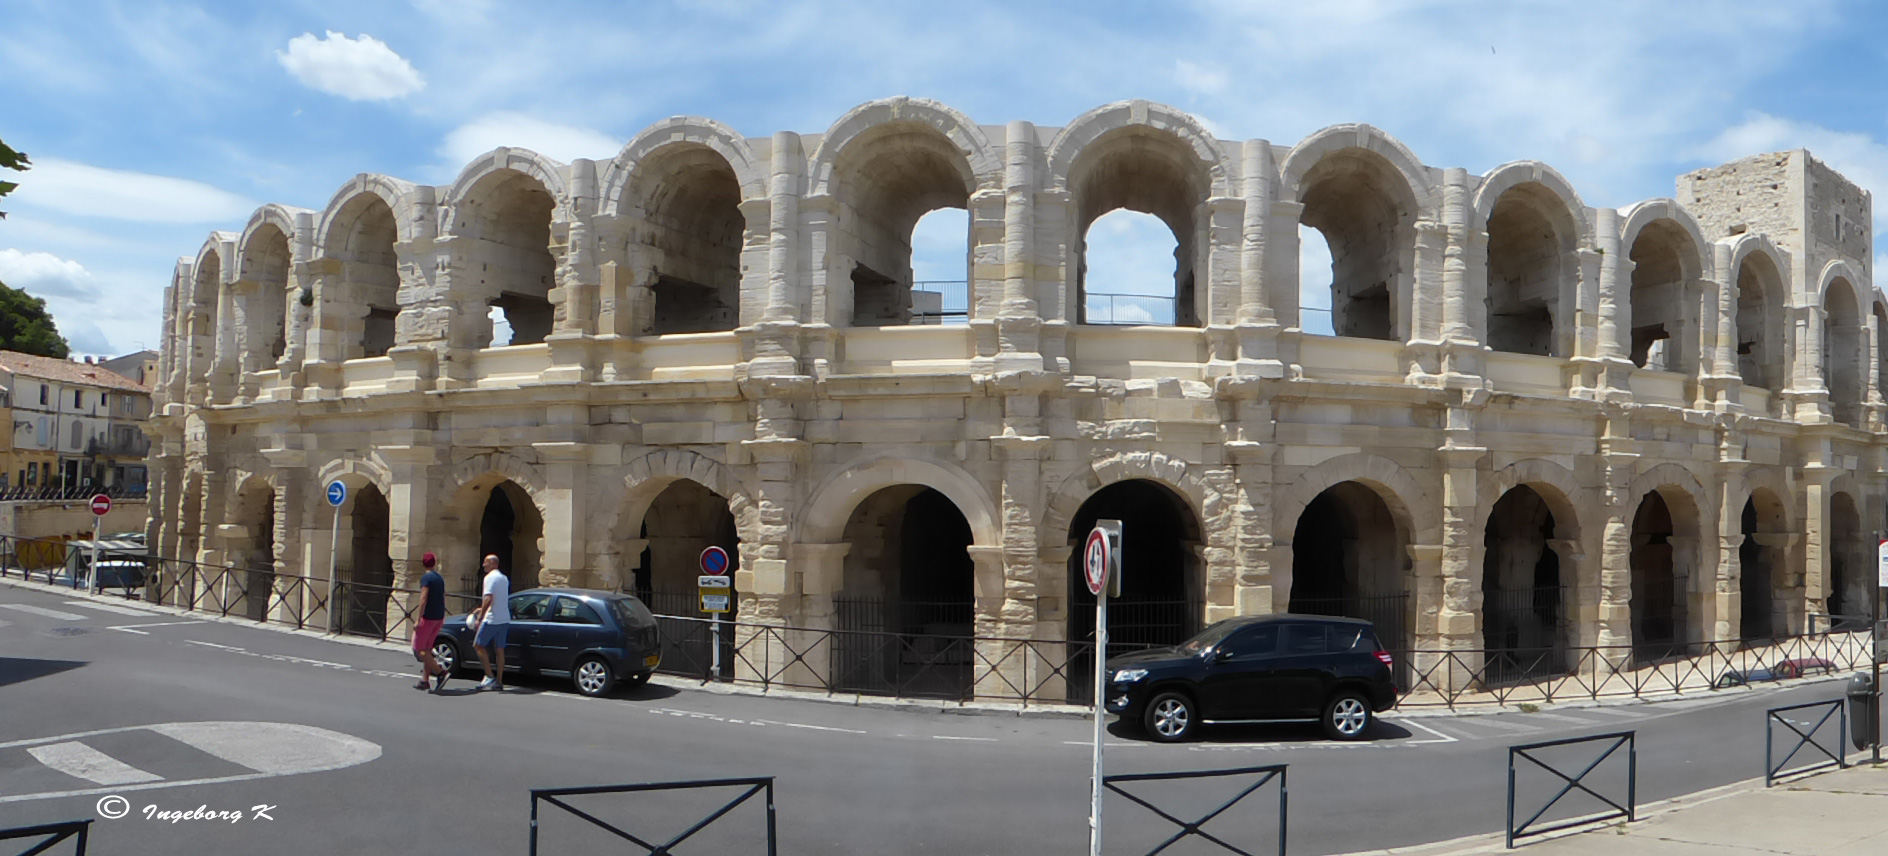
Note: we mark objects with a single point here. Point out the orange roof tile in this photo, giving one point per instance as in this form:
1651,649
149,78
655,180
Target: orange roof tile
67,371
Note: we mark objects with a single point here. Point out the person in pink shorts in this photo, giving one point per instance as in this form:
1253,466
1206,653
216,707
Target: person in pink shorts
432,615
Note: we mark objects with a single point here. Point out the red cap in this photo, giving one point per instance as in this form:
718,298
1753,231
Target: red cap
428,560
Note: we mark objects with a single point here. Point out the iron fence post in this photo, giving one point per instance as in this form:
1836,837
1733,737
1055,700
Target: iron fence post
1632,777
770,816
1283,804
534,823
1510,826
1768,748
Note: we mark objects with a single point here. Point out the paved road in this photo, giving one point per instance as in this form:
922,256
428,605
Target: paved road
352,759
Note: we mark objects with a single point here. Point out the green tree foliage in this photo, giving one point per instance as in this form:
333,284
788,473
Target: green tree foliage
27,327
16,161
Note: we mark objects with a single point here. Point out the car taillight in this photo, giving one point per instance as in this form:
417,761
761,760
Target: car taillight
1384,656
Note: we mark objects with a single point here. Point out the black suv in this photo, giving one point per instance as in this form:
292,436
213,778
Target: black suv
1265,667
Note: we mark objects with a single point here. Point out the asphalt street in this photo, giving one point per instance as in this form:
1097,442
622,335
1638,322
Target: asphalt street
102,698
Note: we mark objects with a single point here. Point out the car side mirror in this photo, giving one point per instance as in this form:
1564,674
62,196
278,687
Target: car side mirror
1221,655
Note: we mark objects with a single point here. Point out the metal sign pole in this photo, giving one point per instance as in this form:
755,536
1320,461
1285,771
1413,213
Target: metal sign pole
1101,687
96,520
334,549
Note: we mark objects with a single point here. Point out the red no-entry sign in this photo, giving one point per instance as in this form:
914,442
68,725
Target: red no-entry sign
101,504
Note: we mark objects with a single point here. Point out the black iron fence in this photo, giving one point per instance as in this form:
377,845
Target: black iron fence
50,835
884,656
1388,613
557,797
1530,752
1196,828
1774,769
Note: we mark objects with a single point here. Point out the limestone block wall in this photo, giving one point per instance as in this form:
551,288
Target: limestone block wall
692,336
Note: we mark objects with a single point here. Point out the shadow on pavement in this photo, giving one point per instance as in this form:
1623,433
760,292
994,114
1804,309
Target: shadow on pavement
14,670
1265,732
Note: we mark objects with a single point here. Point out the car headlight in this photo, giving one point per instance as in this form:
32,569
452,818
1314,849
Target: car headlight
1128,676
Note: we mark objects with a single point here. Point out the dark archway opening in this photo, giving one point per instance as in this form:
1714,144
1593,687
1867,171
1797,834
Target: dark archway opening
370,569
1755,580
510,529
1161,578
259,559
1658,594
684,520
1349,559
1524,620
1847,600
906,608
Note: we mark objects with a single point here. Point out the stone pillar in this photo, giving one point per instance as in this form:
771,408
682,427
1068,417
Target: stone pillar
1615,309
574,299
565,467
1047,672
1810,390
409,503
818,576
1586,332
1817,548
1254,588
1615,573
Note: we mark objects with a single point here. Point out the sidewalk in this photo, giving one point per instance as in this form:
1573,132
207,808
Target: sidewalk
1836,813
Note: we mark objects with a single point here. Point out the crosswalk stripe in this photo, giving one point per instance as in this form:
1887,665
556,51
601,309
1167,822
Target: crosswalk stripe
42,611
79,760
112,608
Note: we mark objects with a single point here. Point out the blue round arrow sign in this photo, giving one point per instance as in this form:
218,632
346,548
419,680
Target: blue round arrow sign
337,493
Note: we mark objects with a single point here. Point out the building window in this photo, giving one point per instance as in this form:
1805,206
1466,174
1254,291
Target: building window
104,401
31,476
78,398
42,393
74,433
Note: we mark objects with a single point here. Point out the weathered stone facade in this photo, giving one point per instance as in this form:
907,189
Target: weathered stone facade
1686,393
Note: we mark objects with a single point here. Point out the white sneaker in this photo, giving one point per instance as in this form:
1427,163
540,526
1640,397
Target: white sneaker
487,684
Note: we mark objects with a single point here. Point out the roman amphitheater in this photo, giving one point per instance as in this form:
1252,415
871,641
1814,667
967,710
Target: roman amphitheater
1539,425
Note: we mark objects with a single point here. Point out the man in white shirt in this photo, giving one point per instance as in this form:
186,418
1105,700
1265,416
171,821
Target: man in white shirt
493,618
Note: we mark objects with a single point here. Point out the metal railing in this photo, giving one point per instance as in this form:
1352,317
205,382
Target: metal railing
1266,776
951,292
1627,739
61,493
1774,769
50,835
554,796
1128,310
955,666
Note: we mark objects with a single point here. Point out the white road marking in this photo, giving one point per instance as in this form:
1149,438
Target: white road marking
152,624
81,761
1413,723
1496,724
270,748
970,739
1561,717
5,623
110,607
42,611
803,725
214,645
128,630
1613,711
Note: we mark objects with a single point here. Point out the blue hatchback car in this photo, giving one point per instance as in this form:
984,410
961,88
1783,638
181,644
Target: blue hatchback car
599,638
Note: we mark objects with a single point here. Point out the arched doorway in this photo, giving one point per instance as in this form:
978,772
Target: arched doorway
256,505
1349,558
1663,544
689,239
1846,591
887,181
1531,270
1366,212
1664,319
681,522
906,606
511,529
1844,352
1764,595
1524,614
369,573
1161,577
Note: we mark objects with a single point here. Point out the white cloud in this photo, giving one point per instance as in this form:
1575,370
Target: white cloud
1130,253
1199,79
46,275
362,69
76,188
560,142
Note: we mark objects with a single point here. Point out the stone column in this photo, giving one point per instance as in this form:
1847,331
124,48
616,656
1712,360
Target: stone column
572,342
565,467
1810,390
1586,332
1817,548
1615,309
1048,670
1615,574
818,576
409,505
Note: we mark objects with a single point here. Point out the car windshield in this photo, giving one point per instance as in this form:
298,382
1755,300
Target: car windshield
1209,637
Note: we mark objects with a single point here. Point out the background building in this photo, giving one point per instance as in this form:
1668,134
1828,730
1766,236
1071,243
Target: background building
1538,425
77,427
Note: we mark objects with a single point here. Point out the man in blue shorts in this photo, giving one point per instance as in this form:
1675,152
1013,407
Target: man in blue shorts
494,620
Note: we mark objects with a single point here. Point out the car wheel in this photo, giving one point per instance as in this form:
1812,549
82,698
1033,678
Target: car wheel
593,677
1169,717
446,652
636,680
1347,716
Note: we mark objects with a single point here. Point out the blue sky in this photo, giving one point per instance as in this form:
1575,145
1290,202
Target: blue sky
153,123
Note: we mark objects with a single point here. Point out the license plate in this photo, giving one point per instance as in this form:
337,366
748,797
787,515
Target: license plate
652,660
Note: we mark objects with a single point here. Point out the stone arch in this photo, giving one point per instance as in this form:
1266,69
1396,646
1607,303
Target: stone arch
1773,481
646,477
355,472
1643,214
1529,263
1393,484
505,465
402,198
1146,158
1666,257
478,175
290,221
982,163
1558,486
1674,481
266,255
1672,562
750,172
210,260
832,501
1508,176
1759,278
675,221
1335,140
1206,501
1834,270
1149,117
